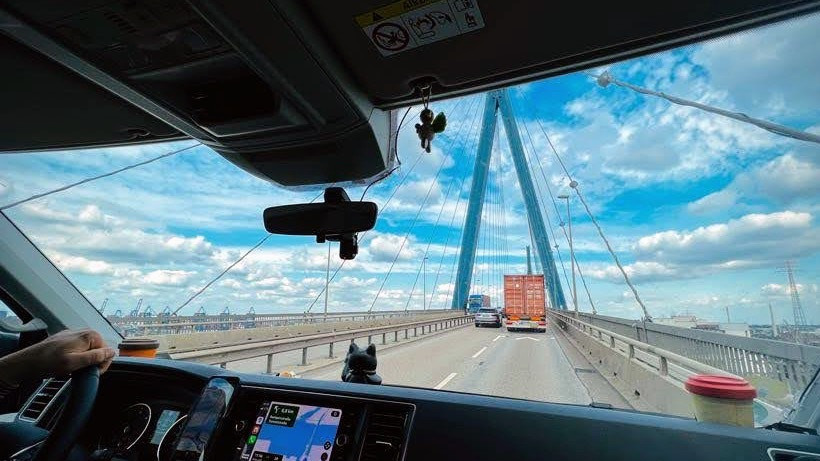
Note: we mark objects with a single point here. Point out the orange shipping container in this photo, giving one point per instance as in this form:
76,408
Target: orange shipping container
524,297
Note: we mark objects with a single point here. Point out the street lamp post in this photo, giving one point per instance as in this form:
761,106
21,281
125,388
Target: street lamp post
327,278
571,255
424,282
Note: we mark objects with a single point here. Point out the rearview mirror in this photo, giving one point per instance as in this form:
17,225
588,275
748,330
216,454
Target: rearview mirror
337,219
321,219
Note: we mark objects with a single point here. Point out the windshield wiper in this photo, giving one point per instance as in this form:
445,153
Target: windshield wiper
786,427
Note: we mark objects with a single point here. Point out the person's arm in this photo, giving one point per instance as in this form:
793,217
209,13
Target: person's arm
56,355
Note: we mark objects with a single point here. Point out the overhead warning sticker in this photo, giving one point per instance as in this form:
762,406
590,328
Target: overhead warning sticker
409,24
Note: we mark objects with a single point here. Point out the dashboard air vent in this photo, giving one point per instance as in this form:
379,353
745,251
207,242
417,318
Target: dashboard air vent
45,395
782,454
385,433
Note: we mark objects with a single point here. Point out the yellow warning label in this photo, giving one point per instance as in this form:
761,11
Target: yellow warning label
390,11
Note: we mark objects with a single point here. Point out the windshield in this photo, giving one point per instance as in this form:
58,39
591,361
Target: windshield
664,224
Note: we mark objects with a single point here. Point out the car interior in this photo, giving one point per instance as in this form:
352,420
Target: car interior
305,94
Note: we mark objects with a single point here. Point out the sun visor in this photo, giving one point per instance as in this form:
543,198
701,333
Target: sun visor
257,85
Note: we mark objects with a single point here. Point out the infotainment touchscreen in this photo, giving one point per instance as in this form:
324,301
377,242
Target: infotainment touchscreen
285,431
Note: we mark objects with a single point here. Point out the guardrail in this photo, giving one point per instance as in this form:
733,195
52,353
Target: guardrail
222,355
166,324
789,363
654,374
657,358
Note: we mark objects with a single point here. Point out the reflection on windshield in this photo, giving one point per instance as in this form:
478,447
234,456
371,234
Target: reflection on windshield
712,220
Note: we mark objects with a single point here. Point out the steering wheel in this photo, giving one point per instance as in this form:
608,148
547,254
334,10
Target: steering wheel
81,395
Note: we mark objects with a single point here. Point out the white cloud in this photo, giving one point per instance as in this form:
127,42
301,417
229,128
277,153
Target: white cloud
753,239
355,282
385,247
637,272
414,193
746,63
91,213
784,180
231,283
80,264
777,289
166,277
270,282
714,202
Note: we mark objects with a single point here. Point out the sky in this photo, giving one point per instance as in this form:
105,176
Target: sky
702,210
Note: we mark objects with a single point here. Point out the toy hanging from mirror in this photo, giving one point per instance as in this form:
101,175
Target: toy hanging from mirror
429,125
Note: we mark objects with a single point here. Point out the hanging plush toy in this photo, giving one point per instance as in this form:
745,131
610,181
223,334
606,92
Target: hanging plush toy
429,126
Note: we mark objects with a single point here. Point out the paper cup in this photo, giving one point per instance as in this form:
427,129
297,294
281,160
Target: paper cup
722,399
139,347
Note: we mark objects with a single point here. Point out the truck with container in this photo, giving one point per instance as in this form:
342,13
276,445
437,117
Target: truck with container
525,303
476,302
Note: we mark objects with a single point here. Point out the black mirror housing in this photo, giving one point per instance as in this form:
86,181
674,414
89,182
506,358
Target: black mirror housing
337,219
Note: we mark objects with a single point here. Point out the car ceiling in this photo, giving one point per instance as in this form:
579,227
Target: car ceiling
298,92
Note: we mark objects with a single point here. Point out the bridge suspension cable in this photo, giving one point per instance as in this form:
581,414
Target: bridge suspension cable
535,158
422,265
460,232
364,234
573,184
382,209
231,266
407,234
529,155
433,183
497,222
504,227
94,178
606,78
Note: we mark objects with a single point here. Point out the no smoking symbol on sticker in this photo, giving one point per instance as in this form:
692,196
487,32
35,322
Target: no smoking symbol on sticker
390,36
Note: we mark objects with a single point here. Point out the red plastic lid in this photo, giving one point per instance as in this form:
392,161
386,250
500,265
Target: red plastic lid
722,387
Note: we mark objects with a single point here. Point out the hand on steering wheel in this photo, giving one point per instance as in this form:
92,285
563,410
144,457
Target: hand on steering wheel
84,354
57,355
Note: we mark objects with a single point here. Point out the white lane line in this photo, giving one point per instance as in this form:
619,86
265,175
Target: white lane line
480,351
527,337
445,381
499,337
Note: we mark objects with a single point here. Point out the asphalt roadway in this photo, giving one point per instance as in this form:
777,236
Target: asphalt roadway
492,361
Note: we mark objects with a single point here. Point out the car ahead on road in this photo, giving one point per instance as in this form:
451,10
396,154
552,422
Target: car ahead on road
488,316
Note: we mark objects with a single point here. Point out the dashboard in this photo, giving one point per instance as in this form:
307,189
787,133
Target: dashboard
138,416
161,410
153,427
232,421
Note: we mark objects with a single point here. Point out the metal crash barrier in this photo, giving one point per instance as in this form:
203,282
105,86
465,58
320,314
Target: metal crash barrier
649,377
224,354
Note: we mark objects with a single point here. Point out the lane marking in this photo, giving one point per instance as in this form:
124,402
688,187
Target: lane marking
445,381
527,337
499,337
480,351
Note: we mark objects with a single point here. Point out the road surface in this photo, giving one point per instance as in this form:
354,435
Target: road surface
491,361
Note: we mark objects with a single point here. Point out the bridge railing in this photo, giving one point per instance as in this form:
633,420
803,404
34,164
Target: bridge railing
164,324
654,374
224,354
794,365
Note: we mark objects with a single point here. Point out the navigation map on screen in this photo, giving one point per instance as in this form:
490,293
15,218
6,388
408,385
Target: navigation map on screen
289,432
